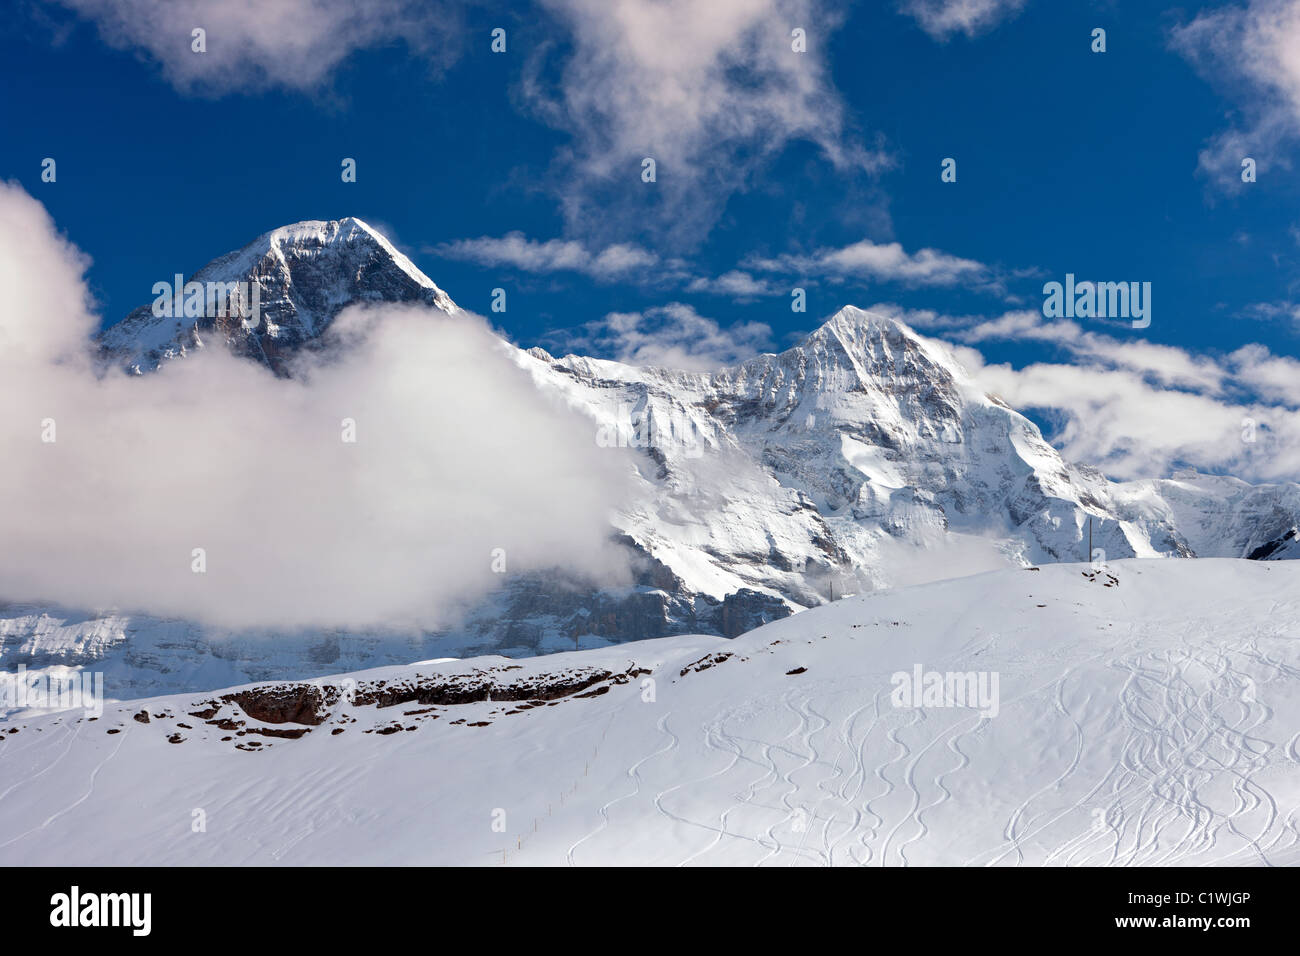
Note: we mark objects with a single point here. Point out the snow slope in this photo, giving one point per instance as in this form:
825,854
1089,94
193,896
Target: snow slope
1148,714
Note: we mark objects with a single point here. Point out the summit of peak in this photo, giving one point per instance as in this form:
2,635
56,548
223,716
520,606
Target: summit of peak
850,316
325,232
854,329
874,347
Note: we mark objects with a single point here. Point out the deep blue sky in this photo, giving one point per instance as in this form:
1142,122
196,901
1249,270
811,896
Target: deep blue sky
1068,161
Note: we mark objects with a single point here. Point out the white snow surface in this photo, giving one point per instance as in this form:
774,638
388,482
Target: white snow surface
1148,714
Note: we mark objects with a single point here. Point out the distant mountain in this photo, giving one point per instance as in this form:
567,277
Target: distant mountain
861,458
1226,517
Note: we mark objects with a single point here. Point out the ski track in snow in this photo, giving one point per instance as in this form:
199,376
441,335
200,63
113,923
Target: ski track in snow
90,789
635,773
1159,796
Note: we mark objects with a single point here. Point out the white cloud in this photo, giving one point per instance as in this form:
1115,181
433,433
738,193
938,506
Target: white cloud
457,453
880,262
943,19
1275,378
259,44
1168,365
1122,423
940,555
1254,51
671,336
515,250
708,90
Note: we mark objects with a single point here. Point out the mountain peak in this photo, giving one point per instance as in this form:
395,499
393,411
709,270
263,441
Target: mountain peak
878,347
861,323
302,274
851,315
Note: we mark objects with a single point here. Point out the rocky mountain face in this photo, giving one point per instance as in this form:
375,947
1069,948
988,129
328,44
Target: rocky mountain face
304,275
861,458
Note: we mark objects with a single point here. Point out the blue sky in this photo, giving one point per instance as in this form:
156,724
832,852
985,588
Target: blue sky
775,169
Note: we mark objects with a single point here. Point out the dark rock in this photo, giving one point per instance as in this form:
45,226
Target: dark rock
285,703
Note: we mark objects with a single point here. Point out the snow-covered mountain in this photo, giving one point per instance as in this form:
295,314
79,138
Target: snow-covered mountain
305,273
861,458
1223,516
1139,716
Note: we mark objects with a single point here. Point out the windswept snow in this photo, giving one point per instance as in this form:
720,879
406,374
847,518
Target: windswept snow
1146,713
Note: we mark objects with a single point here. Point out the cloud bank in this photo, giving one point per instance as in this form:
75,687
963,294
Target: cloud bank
456,454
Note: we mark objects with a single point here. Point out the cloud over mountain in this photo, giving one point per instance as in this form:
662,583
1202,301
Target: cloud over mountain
456,455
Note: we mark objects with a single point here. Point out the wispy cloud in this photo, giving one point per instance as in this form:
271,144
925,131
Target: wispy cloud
943,19
516,251
1167,365
622,262
1275,378
926,320
1254,53
709,91
671,336
736,284
1283,311
263,44
1118,420
878,262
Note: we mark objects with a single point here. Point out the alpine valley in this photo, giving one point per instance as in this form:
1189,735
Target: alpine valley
863,458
